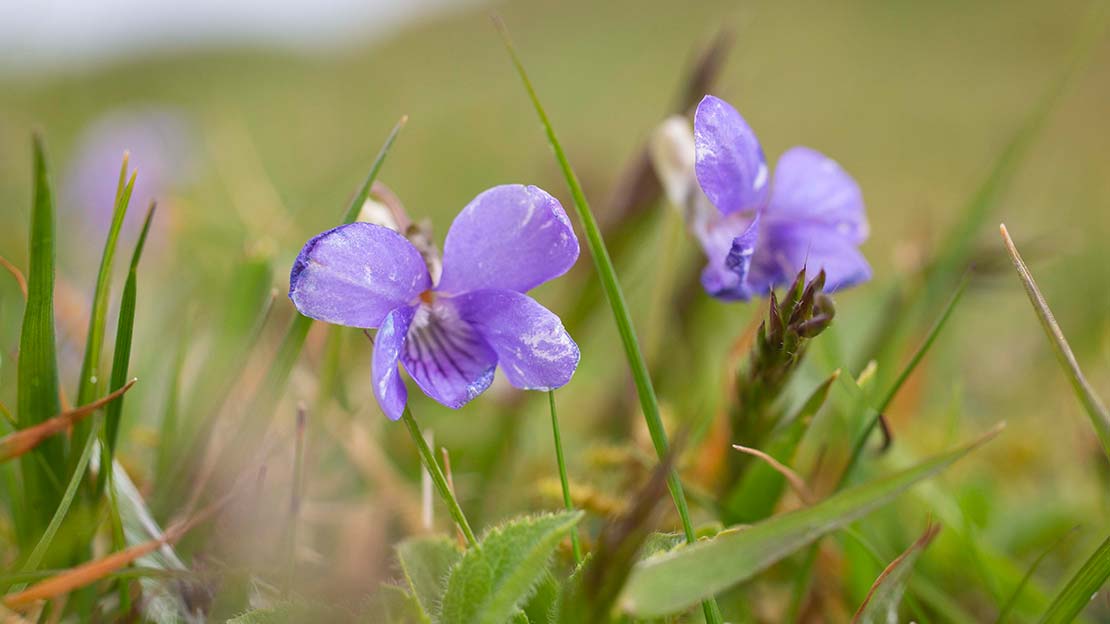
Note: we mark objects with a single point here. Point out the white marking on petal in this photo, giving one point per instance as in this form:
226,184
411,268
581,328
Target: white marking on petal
760,177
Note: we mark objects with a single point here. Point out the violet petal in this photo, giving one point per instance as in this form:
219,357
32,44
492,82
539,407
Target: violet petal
730,165
729,244
533,348
447,357
356,274
384,375
512,236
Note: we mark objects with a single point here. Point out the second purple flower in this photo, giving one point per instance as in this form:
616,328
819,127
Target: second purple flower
761,229
450,336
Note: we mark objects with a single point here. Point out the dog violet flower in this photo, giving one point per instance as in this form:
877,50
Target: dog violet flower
451,335
758,232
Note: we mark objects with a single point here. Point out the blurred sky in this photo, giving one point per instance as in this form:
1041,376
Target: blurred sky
41,35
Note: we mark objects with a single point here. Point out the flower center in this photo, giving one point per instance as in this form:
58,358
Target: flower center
428,297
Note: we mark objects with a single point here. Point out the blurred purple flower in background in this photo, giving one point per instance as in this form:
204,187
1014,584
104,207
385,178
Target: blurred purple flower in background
451,336
758,232
162,151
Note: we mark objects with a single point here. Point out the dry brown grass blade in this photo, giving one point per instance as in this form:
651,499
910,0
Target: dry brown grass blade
96,570
791,477
19,442
16,273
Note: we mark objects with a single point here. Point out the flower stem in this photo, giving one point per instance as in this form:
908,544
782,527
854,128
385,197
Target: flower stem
438,479
575,544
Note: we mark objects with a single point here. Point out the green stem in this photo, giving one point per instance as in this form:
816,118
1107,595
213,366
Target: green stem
575,544
873,421
438,479
649,404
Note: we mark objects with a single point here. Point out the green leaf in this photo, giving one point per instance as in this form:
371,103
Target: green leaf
392,605
92,378
38,367
1081,588
882,602
674,581
1095,408
426,562
491,582
754,497
541,607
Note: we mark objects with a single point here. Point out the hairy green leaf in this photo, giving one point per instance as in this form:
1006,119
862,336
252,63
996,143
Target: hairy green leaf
393,605
426,562
491,582
676,580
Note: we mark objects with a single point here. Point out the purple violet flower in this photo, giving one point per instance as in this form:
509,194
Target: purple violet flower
452,335
764,230
161,145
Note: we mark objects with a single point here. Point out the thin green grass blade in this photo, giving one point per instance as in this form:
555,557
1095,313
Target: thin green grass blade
262,404
38,367
877,414
1077,594
122,356
1008,606
43,545
1092,404
607,274
674,581
92,379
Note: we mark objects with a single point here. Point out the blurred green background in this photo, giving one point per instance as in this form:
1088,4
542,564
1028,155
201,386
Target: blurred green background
916,100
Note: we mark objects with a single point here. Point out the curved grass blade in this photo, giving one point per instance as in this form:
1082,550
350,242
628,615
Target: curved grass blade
91,378
43,545
37,391
882,602
1082,587
1004,612
607,274
1095,408
676,580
